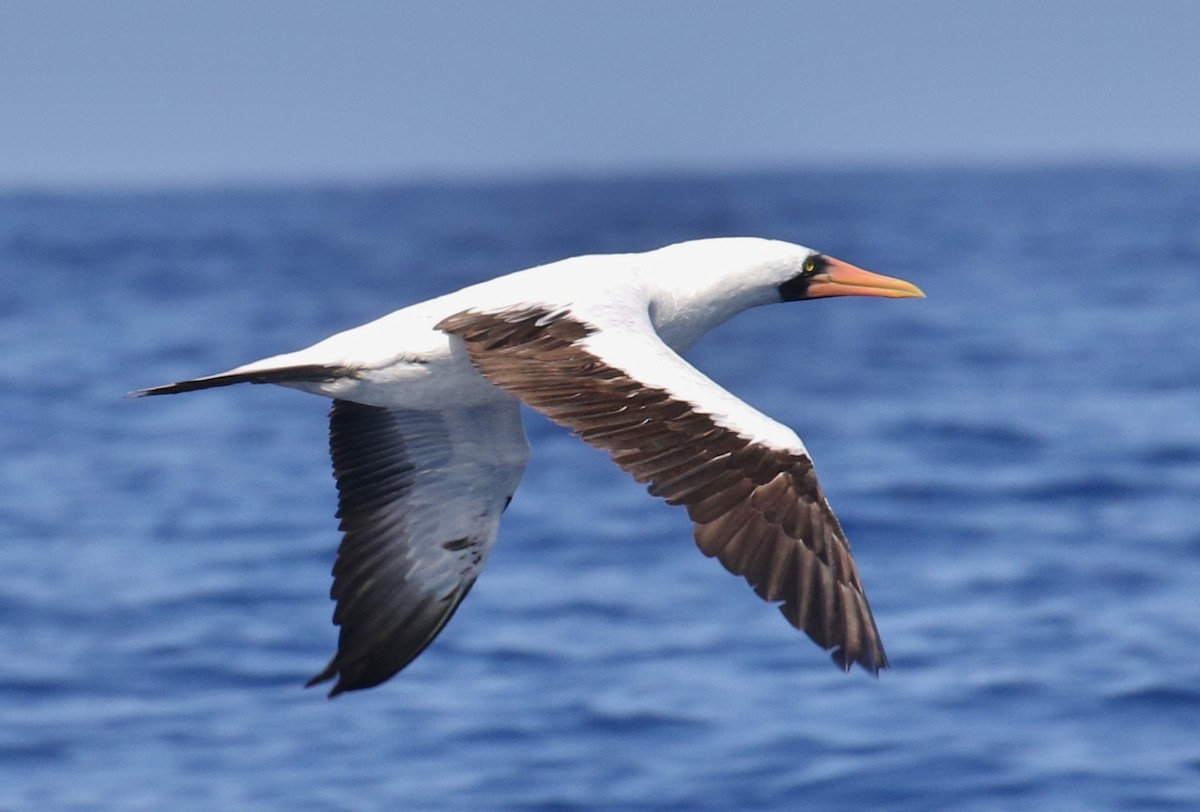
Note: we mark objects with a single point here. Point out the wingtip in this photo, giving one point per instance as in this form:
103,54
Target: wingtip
327,673
872,665
338,687
336,690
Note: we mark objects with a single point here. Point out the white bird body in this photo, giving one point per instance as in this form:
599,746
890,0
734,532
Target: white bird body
625,295
428,446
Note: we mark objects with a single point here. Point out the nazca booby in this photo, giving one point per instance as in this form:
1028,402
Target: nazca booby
428,446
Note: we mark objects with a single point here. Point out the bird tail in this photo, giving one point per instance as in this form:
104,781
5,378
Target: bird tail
293,374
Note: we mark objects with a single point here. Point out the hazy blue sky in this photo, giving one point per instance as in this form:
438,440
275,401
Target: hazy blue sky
160,91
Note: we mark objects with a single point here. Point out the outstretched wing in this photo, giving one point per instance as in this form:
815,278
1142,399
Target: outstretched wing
420,496
747,482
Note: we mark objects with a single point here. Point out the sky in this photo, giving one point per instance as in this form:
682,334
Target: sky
160,93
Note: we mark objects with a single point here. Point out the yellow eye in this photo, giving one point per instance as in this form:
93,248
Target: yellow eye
810,265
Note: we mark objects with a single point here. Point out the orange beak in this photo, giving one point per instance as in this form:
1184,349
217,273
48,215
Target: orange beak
843,279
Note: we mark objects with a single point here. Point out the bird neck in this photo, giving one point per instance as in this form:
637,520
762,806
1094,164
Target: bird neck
696,286
681,317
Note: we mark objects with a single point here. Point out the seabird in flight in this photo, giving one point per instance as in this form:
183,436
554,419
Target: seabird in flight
428,446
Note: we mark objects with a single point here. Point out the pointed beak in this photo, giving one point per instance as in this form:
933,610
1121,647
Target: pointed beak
843,279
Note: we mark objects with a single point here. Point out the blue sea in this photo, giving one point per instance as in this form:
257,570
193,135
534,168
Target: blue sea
1016,460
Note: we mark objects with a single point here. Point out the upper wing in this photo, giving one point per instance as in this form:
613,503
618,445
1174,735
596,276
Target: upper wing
747,482
419,497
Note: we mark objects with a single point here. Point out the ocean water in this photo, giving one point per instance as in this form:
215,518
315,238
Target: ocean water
1016,460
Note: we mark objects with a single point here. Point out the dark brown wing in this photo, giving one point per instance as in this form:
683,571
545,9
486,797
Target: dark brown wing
757,508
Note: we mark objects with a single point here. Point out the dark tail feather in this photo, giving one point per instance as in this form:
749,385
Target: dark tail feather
307,372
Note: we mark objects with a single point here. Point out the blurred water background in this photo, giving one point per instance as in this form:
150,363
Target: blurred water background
1016,460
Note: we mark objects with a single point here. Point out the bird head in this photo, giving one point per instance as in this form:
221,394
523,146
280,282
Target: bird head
816,276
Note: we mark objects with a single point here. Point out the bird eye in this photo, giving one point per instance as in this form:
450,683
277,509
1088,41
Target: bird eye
810,265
